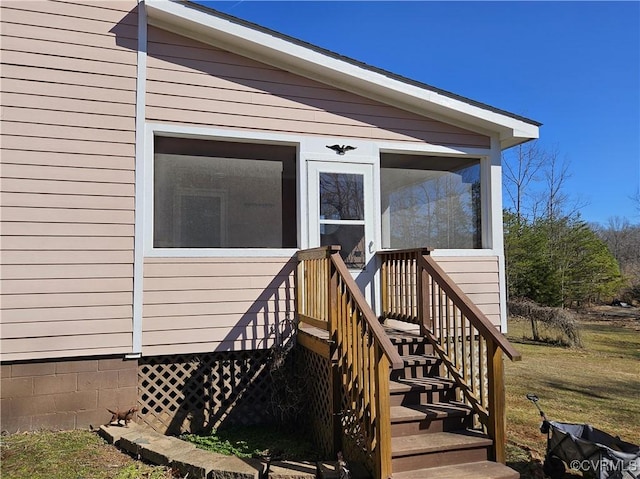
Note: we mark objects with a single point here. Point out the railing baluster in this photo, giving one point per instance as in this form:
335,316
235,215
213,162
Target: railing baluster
441,314
465,349
358,360
384,285
482,369
456,356
407,290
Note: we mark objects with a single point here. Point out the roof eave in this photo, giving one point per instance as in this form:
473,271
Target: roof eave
269,48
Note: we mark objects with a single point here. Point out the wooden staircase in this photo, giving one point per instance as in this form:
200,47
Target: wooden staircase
431,431
423,395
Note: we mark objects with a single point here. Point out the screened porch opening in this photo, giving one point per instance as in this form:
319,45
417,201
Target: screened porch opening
222,194
430,201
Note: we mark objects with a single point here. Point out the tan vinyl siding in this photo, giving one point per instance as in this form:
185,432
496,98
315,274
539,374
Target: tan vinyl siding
68,159
479,278
192,83
198,305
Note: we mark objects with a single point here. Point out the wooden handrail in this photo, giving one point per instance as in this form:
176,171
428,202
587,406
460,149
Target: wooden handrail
317,253
469,309
328,297
417,290
406,251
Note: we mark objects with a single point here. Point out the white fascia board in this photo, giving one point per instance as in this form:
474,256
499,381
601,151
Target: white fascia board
281,53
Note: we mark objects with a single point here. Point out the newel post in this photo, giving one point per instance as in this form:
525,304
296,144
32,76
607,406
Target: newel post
383,428
423,293
497,426
334,331
300,287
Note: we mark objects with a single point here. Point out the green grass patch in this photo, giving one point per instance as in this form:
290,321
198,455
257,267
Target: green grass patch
258,441
598,384
69,455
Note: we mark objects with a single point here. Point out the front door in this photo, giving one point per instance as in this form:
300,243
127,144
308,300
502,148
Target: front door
341,212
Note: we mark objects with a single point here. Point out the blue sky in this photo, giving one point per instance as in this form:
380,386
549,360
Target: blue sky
574,66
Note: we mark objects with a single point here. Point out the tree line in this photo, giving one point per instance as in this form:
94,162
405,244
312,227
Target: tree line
553,256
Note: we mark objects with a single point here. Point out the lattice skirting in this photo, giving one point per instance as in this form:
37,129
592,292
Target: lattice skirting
319,407
200,392
355,443
331,416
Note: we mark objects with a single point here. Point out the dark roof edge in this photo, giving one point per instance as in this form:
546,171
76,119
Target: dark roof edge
337,56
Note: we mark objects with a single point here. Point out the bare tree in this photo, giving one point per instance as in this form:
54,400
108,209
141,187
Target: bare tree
616,235
522,167
555,178
554,200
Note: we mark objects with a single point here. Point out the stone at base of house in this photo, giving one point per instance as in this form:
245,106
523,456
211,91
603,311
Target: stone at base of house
136,440
164,451
113,434
292,470
145,443
232,467
209,465
196,463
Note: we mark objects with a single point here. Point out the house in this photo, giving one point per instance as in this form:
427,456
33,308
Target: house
174,181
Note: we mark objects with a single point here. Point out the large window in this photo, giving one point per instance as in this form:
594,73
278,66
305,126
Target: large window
217,194
430,202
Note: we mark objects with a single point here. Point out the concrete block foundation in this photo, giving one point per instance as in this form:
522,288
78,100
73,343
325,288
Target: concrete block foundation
65,394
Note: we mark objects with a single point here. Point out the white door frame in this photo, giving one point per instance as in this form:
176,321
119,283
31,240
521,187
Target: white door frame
365,277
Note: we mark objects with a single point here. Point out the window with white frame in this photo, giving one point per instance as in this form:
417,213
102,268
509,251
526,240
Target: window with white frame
430,202
222,194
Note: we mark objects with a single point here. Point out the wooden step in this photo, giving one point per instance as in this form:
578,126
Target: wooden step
429,418
397,336
472,470
395,328
421,451
410,343
419,359
417,366
427,390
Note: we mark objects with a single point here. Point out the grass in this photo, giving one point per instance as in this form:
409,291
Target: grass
598,384
262,441
69,455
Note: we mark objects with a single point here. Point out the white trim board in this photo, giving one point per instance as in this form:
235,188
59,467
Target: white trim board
139,222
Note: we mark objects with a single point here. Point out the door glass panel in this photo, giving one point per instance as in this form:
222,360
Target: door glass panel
341,196
350,238
342,215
